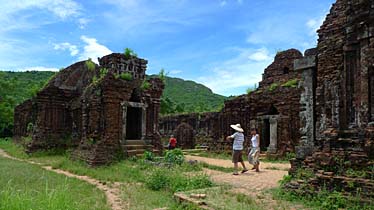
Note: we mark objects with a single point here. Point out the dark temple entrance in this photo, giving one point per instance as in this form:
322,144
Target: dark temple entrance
134,123
371,95
265,140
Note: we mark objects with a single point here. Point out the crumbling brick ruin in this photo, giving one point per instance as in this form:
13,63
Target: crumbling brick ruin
338,137
105,111
273,108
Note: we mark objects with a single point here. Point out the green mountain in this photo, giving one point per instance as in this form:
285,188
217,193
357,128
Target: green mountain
16,87
183,96
179,96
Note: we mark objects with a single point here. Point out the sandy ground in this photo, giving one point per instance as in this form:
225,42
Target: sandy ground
112,191
251,181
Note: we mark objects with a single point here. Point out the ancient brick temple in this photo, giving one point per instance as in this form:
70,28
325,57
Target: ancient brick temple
337,124
273,108
105,111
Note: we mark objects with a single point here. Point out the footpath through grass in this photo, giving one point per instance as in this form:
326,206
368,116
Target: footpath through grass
25,186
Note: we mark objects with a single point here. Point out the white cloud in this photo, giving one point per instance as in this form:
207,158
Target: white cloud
260,55
240,71
93,49
38,68
174,72
67,46
83,22
20,14
314,24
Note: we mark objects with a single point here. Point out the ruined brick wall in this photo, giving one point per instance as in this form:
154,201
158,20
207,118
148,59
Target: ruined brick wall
24,115
83,107
103,110
184,134
344,128
205,126
252,110
53,120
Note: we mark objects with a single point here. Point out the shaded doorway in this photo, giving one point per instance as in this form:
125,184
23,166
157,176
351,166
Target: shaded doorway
134,123
265,137
371,94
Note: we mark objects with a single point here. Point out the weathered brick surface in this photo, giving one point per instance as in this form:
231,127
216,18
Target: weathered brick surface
343,153
76,110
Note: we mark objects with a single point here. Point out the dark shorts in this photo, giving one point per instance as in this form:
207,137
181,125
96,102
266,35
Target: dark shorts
237,156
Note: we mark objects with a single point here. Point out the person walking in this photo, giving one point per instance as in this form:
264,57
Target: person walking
254,154
237,148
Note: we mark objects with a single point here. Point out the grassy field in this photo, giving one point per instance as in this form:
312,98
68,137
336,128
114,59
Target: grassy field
24,186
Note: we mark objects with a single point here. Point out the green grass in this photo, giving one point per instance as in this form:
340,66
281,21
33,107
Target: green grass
25,186
322,200
136,174
222,198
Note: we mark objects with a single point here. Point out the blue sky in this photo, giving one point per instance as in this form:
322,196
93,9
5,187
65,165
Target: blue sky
223,44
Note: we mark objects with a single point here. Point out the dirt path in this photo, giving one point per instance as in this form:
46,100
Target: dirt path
112,192
250,181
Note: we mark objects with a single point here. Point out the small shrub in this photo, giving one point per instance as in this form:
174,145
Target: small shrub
145,85
116,76
103,72
291,83
273,86
290,155
304,174
129,53
126,76
286,179
94,80
148,156
90,65
162,75
157,180
174,156
250,90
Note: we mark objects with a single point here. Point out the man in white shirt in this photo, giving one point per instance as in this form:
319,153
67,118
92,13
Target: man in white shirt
237,147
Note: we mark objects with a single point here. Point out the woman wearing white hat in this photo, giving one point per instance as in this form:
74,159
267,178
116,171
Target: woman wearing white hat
237,148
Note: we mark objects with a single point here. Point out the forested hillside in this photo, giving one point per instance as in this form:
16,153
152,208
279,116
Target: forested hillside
179,96
183,96
16,87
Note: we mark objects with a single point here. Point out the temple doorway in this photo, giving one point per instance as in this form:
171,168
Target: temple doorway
134,123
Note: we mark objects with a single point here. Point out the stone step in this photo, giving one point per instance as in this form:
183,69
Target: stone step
137,152
135,142
135,147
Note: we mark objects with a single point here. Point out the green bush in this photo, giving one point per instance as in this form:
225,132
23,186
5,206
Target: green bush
103,72
145,85
126,76
291,83
286,179
162,75
172,180
174,156
148,156
90,64
129,53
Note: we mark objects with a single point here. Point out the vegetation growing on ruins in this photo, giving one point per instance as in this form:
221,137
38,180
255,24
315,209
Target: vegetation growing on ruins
129,53
291,83
273,86
90,65
145,85
126,76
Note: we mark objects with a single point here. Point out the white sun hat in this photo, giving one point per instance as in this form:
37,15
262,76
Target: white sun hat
237,127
